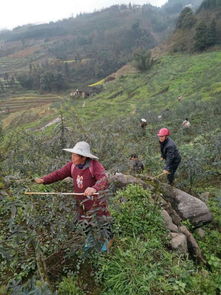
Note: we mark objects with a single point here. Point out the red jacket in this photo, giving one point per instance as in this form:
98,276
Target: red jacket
92,175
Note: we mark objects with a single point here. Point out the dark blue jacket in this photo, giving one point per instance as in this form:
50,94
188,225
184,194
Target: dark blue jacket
170,153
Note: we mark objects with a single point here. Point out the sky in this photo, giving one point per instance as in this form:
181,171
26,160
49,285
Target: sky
15,13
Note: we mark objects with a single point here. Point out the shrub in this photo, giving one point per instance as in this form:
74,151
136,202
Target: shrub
68,286
142,60
136,214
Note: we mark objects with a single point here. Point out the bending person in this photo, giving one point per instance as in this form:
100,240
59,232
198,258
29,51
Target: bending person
169,153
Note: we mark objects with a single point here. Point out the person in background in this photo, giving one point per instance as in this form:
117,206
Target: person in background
169,153
186,123
89,177
136,165
143,125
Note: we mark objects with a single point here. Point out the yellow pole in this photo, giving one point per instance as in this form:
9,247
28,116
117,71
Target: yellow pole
57,193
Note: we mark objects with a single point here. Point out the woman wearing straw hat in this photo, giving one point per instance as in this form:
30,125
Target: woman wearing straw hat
89,177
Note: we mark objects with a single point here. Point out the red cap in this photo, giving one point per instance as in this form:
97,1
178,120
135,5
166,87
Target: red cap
163,132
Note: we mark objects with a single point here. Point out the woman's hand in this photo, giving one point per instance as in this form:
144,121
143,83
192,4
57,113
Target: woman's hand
39,180
89,191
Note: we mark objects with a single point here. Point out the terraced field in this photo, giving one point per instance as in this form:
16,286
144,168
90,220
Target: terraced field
11,65
19,104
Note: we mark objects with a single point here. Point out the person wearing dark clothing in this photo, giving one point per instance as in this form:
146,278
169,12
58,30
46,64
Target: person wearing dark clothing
136,166
143,125
169,153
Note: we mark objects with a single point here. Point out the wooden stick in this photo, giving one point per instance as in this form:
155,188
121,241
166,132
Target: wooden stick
159,175
56,193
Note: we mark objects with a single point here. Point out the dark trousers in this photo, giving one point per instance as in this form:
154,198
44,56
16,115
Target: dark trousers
170,177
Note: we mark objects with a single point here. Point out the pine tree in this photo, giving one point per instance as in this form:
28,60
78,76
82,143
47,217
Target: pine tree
186,19
201,37
211,34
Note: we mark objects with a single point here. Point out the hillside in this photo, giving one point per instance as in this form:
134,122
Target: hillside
123,101
42,249
110,122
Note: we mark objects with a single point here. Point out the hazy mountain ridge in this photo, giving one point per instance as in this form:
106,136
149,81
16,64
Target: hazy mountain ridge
175,6
88,47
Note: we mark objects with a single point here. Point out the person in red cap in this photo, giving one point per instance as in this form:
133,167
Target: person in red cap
169,153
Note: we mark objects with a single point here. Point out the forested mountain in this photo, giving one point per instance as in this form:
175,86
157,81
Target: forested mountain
197,31
81,50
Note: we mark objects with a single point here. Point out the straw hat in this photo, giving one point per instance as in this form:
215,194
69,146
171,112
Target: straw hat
82,148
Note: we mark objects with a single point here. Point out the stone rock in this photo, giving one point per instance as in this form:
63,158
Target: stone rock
192,208
182,203
168,221
173,214
121,180
179,242
193,246
187,206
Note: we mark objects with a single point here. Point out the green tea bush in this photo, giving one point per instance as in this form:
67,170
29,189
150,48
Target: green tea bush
133,269
135,214
140,257
68,286
32,230
212,239
31,287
